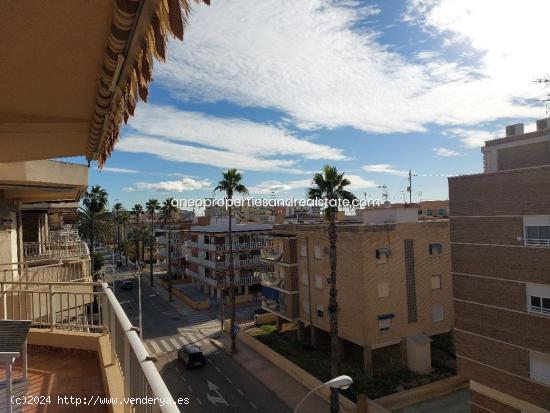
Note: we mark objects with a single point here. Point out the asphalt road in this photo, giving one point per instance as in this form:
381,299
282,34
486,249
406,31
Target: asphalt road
221,386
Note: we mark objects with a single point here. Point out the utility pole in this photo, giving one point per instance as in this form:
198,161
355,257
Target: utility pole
409,188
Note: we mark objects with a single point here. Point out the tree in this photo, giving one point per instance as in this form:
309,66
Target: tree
231,184
92,214
117,209
137,211
330,185
168,210
152,206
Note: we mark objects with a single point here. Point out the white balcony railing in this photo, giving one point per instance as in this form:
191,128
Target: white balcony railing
538,310
90,308
54,250
534,242
67,271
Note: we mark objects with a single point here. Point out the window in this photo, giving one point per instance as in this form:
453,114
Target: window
437,314
429,212
436,282
539,367
384,321
320,311
317,252
305,306
383,290
538,298
382,255
537,233
303,251
318,281
436,249
441,212
305,278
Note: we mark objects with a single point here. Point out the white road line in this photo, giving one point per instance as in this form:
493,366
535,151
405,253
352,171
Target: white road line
209,361
182,340
183,378
240,392
199,401
228,380
190,388
253,405
156,347
217,369
174,343
165,345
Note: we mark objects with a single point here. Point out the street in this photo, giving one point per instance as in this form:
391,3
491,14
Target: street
221,386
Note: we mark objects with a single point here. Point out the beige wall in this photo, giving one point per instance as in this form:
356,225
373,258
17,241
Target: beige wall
359,275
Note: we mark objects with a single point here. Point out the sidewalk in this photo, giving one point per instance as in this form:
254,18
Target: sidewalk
280,383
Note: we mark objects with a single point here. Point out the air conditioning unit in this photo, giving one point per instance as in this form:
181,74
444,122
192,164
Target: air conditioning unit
543,124
513,130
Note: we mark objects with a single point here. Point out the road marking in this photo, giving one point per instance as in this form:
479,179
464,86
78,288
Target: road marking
190,388
218,398
240,392
199,401
253,405
209,361
174,342
182,340
165,345
183,378
228,380
156,347
217,369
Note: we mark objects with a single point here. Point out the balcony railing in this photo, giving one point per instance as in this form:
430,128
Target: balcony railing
91,307
534,242
285,306
538,310
54,250
223,265
75,270
287,282
237,246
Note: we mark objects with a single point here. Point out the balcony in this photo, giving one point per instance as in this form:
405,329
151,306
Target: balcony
282,281
239,246
86,317
224,282
74,270
281,304
224,265
54,250
535,242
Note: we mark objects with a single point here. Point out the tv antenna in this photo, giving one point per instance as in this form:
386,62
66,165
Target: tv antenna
544,81
385,193
409,188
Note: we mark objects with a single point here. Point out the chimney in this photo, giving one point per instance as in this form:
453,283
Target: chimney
516,129
543,124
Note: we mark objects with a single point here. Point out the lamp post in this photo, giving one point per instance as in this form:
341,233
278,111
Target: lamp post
340,382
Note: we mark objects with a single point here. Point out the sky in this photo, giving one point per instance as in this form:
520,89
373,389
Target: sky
279,88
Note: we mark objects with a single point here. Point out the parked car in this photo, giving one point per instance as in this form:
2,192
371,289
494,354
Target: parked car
192,356
127,285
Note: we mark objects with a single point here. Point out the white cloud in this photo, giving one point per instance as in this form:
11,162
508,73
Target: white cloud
182,185
171,151
444,152
231,134
472,138
314,62
120,170
356,183
384,168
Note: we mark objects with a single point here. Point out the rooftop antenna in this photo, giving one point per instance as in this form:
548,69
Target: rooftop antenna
409,188
385,194
545,81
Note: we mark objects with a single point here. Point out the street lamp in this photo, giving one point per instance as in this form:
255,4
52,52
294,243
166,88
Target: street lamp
340,382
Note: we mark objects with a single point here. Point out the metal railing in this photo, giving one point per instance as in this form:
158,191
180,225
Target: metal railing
538,310
78,270
91,308
53,249
287,282
534,242
237,246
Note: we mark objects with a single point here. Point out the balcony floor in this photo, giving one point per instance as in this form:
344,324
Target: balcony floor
58,372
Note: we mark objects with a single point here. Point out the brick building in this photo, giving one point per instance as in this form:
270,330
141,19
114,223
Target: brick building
500,224
393,282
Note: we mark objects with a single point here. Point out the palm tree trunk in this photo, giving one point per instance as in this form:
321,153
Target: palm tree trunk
151,247
231,284
92,239
169,262
333,318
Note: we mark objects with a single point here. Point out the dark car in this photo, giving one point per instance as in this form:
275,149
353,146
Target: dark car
127,285
192,356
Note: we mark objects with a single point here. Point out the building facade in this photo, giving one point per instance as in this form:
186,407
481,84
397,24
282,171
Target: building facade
208,256
393,283
500,234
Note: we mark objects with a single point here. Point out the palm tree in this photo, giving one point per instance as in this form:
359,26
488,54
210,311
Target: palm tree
329,184
94,205
124,218
168,210
117,209
231,184
137,211
152,206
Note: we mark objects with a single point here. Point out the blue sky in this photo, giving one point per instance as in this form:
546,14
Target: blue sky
278,88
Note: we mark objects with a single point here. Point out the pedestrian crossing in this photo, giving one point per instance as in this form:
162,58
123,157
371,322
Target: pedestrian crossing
165,345
197,318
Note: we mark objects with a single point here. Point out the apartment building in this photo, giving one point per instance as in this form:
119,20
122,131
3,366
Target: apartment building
500,235
393,282
208,256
